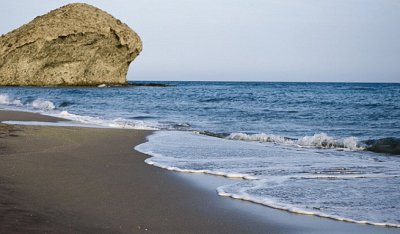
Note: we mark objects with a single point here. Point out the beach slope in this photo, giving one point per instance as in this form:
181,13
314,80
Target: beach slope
88,180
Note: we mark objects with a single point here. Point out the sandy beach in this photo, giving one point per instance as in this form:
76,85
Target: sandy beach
89,180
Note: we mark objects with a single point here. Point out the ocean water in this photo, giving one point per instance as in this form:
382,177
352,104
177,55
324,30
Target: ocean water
326,149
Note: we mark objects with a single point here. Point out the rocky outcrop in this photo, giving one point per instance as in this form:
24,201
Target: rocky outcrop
77,44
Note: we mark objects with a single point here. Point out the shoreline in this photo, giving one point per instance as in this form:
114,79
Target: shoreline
11,115
72,179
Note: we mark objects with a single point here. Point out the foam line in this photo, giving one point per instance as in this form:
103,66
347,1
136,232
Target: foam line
270,203
209,172
320,140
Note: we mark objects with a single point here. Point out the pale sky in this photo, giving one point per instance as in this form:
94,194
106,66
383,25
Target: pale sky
251,40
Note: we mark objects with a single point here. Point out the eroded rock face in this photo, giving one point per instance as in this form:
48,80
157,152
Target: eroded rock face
77,44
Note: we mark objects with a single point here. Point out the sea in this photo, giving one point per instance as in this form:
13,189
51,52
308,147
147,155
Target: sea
325,149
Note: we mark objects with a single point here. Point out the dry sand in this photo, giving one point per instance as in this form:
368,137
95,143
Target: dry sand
86,180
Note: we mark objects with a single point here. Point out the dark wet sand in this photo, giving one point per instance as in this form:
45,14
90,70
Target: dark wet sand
86,180
6,115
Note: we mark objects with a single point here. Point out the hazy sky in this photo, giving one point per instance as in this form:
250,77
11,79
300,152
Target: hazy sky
266,40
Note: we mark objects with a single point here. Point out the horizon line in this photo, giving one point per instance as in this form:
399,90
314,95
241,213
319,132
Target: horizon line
258,81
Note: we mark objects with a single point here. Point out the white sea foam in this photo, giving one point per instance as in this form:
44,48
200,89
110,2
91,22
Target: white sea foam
48,108
39,103
261,137
43,104
298,180
114,123
320,140
242,195
6,100
324,141
209,172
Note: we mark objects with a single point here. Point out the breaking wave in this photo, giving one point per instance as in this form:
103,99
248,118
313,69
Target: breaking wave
65,104
5,99
320,140
43,104
114,123
390,145
38,103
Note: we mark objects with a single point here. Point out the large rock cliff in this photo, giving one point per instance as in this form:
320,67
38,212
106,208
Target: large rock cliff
77,44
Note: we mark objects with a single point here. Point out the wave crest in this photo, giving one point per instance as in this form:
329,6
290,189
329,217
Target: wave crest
324,141
261,137
390,145
5,99
38,103
320,140
43,104
115,123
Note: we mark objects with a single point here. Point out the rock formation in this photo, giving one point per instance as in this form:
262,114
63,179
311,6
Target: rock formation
77,44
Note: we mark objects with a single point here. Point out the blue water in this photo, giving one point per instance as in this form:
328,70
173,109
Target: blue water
328,149
366,111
